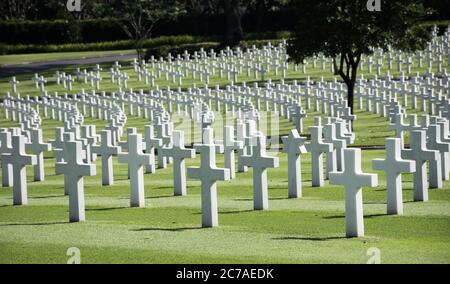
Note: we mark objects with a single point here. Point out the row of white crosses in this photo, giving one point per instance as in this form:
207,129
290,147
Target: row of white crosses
255,158
260,162
74,169
436,51
59,109
437,134
65,79
432,93
231,99
234,62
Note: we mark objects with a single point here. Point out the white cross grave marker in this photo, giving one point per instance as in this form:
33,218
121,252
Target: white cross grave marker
178,152
393,165
260,161
106,149
6,148
74,169
419,153
317,147
136,159
230,145
19,160
38,147
294,146
353,179
208,173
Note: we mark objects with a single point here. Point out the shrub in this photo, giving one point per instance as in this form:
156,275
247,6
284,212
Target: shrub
97,46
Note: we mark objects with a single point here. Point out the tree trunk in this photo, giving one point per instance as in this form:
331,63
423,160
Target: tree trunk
139,50
233,30
350,95
351,86
260,12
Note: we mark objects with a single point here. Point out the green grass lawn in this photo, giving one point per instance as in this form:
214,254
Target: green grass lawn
306,230
14,59
27,87
168,230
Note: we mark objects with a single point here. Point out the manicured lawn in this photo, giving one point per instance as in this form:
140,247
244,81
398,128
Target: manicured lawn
306,230
168,230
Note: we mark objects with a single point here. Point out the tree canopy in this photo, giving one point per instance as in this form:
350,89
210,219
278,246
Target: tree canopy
345,30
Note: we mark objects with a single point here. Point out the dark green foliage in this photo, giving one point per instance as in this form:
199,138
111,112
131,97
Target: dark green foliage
345,30
172,42
97,46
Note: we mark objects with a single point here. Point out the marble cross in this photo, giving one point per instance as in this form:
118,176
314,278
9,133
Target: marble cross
37,147
19,160
260,161
334,158
317,147
208,173
437,169
420,153
136,159
74,170
230,145
6,148
124,144
14,83
353,179
294,146
106,150
178,152
393,165
241,137
151,142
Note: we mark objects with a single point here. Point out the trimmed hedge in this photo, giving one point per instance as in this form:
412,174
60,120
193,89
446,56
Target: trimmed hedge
98,46
171,41
99,30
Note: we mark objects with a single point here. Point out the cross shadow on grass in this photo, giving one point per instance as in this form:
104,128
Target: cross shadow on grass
365,216
163,187
236,211
152,197
182,229
280,198
47,196
159,196
270,198
308,238
375,202
105,209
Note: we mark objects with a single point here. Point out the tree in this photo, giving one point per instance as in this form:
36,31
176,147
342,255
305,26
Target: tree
138,18
261,8
233,10
345,30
